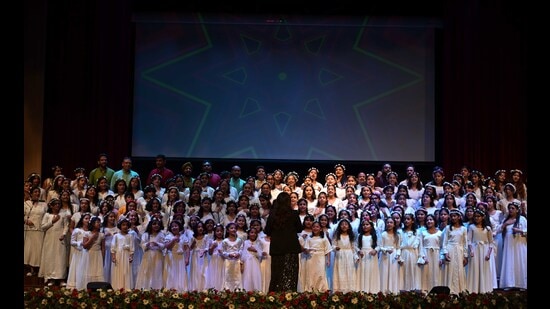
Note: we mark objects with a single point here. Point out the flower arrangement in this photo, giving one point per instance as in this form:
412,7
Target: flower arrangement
56,297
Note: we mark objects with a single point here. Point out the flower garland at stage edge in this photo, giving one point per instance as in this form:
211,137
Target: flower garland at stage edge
55,297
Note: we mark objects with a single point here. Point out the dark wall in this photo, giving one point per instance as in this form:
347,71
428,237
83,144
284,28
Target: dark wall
482,102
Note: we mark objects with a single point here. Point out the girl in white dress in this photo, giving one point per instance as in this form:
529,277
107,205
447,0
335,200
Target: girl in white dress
150,275
409,271
251,258
78,267
55,228
307,223
122,255
431,240
34,211
216,269
95,244
231,250
265,262
344,266
390,254
514,251
317,250
198,262
368,272
455,251
481,275
176,258
109,230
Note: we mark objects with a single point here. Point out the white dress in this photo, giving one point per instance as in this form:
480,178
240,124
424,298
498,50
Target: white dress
109,234
514,257
481,275
232,250
33,235
198,264
252,274
216,268
430,246
315,264
409,271
389,266
343,277
95,260
455,244
175,269
78,267
265,263
368,271
53,263
150,275
122,248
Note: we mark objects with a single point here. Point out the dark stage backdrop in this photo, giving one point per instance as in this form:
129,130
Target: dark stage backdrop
303,87
480,91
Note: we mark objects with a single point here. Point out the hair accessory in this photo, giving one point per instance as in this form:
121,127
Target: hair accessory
499,172
340,165
479,211
482,204
313,169
54,200
423,209
330,174
511,186
516,171
395,212
455,211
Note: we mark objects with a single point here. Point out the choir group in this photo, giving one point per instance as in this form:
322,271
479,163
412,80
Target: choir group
371,231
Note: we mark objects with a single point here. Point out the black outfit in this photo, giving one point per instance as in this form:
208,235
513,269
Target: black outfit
284,248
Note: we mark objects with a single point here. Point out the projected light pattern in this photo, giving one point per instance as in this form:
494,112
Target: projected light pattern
234,89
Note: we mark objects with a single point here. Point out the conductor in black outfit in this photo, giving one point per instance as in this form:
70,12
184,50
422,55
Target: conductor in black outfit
283,226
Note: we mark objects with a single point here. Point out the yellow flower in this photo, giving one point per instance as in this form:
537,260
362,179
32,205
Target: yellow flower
231,306
190,306
127,300
252,299
271,298
164,305
354,300
50,294
80,295
370,298
175,295
181,306
110,300
206,299
117,292
442,304
313,304
145,301
62,300
44,302
102,294
82,305
335,298
341,307
288,296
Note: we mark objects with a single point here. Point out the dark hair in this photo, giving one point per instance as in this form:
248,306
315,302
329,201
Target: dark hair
282,210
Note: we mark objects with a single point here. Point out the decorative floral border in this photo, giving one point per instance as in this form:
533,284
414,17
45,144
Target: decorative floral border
55,297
